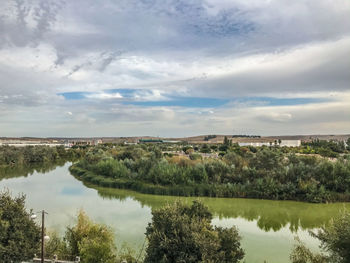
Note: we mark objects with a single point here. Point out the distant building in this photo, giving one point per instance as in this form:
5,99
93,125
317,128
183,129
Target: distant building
157,141
84,143
287,143
255,144
130,143
97,142
24,143
68,144
150,141
290,143
171,141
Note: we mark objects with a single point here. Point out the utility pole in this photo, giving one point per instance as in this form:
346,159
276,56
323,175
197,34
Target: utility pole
42,234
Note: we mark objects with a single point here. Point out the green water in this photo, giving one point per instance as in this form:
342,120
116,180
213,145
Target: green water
267,228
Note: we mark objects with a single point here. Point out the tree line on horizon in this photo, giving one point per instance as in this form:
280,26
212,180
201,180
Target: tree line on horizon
11,156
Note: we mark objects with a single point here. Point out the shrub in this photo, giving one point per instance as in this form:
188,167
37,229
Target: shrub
182,233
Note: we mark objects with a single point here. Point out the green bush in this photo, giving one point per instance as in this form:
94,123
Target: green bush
182,233
335,243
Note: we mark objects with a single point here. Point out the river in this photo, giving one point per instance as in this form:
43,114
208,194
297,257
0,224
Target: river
268,228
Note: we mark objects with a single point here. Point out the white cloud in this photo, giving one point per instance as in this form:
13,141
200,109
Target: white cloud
104,96
149,95
217,49
312,68
275,116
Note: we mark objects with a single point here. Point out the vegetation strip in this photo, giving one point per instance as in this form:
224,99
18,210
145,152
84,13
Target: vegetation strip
247,172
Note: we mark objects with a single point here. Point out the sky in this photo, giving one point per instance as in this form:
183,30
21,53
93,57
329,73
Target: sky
174,68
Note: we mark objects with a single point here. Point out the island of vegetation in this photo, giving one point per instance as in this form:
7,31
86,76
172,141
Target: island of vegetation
317,171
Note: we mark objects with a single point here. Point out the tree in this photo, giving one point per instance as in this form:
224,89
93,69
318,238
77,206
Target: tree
301,254
189,151
186,147
56,246
348,144
226,144
214,147
182,233
19,235
205,148
226,141
93,242
335,242
335,238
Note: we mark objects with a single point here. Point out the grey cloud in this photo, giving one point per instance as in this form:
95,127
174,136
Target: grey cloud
76,68
174,43
160,26
99,62
107,58
328,69
33,19
29,88
45,15
22,13
193,17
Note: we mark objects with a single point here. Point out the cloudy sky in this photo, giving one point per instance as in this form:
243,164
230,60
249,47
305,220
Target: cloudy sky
174,67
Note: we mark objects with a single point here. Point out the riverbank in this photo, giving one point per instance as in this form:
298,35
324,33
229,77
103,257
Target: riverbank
199,190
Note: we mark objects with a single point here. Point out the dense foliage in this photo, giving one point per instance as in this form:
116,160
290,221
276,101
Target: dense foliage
326,148
24,156
264,172
23,161
335,238
335,243
92,242
19,235
182,233
302,254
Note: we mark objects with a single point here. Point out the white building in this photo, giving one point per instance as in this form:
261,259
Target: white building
255,144
290,143
287,143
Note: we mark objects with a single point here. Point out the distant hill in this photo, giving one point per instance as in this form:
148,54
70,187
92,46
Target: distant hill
212,138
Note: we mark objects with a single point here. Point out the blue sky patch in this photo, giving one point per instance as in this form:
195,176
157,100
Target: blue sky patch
191,102
73,95
134,97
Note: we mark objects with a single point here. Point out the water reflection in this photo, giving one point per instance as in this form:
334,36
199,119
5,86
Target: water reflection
269,215
8,172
